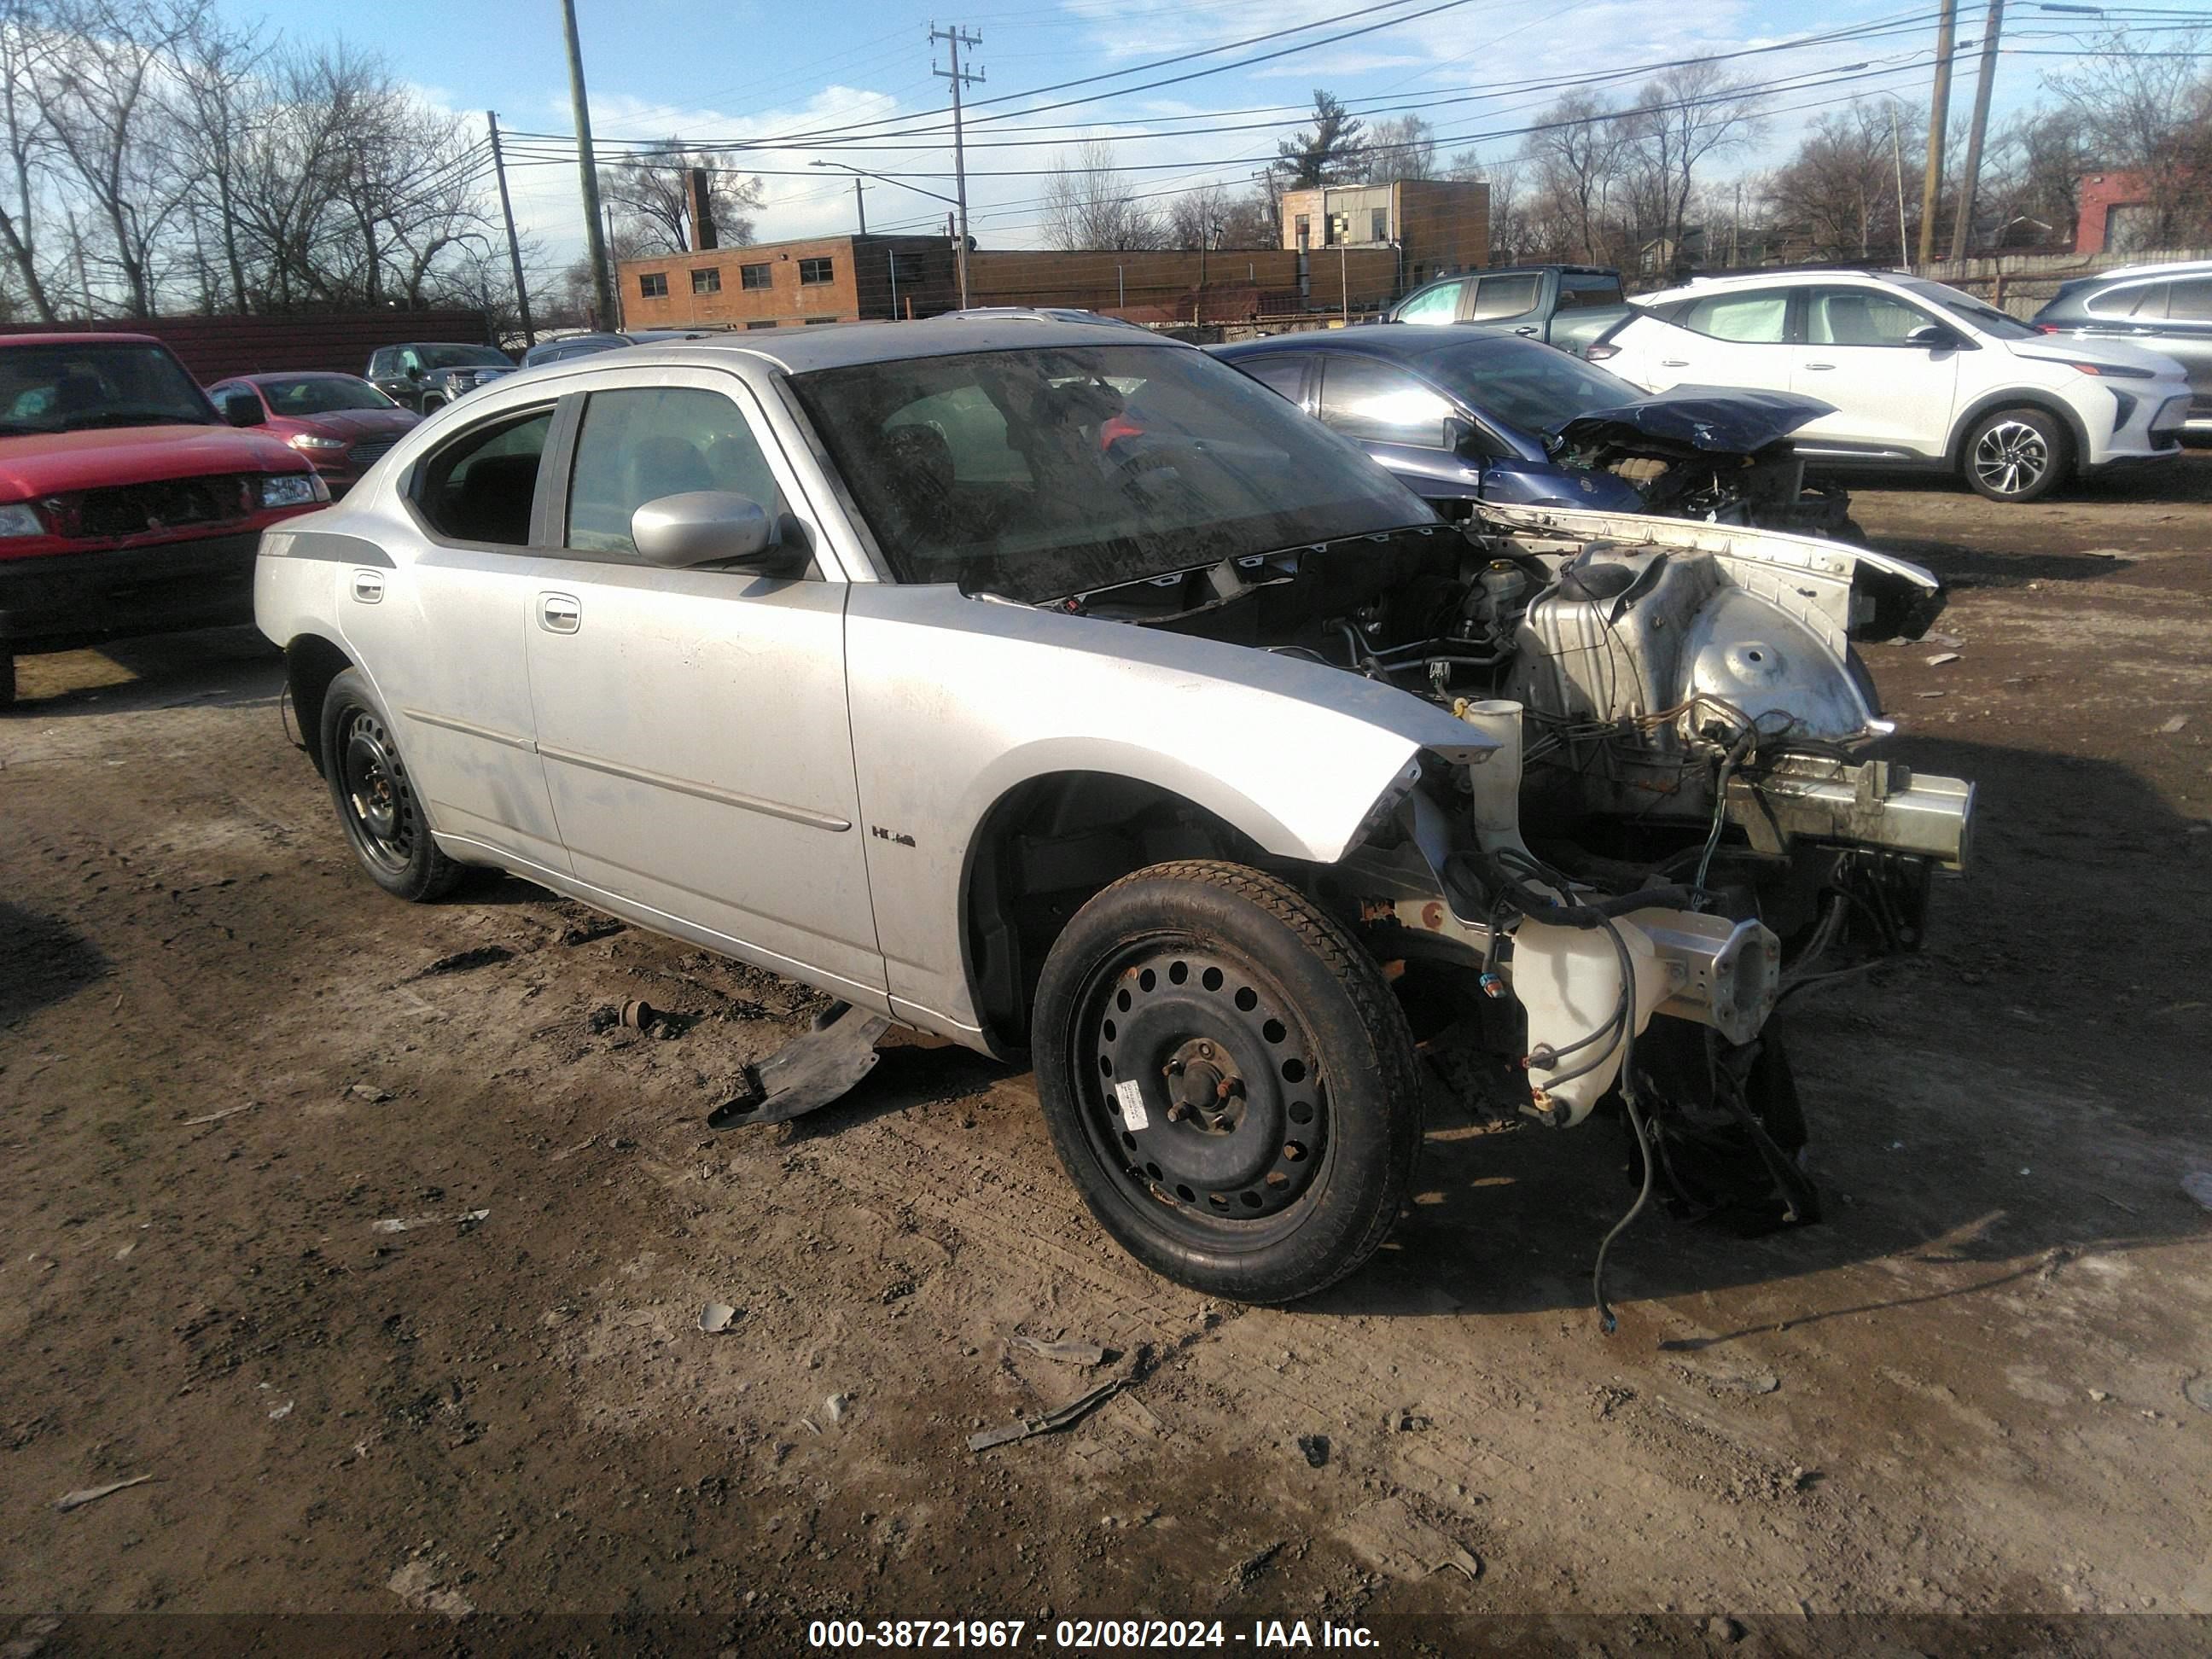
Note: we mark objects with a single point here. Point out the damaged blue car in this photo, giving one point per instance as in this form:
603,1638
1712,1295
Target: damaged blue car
1464,415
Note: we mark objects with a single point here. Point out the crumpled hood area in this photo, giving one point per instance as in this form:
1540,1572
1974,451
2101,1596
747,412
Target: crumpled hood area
1705,419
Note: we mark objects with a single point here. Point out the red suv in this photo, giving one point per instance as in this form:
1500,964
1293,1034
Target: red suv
128,503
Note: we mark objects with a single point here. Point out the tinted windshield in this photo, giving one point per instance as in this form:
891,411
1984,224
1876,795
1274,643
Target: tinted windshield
461,356
1986,318
322,394
1535,387
65,387
1039,473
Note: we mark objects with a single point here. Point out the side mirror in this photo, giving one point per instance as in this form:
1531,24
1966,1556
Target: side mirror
1934,336
711,526
414,371
243,409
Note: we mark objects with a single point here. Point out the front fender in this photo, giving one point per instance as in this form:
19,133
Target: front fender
957,702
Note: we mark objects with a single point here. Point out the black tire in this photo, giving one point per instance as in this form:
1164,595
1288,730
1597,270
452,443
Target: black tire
377,806
7,679
1280,1095
2017,455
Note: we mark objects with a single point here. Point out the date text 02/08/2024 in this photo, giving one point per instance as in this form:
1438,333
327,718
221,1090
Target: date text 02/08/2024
1084,1635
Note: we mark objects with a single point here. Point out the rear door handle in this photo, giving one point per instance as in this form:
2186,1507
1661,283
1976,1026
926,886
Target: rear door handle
559,613
1819,365
367,587
1674,362
1526,331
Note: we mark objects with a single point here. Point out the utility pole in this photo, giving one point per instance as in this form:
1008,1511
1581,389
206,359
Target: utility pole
954,39
587,171
860,205
1962,230
513,246
1939,116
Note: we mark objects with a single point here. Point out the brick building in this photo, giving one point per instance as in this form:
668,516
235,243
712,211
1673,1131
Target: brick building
1432,225
829,279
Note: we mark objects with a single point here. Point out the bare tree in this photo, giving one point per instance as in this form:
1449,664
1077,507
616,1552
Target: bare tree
24,43
1576,149
1405,148
218,73
651,196
1509,231
1683,118
1088,205
1839,190
101,96
2140,108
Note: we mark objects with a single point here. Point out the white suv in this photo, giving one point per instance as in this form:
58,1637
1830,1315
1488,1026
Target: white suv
1921,375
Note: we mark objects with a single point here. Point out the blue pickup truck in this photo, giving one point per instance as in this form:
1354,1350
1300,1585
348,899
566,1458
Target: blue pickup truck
1566,306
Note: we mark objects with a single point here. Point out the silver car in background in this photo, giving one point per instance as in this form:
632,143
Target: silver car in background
1067,695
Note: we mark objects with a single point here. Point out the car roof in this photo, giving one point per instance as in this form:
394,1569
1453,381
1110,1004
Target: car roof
260,376
1404,343
843,345
2133,273
1798,277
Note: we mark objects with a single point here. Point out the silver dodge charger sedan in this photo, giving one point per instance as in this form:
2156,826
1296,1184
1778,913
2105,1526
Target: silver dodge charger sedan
1066,694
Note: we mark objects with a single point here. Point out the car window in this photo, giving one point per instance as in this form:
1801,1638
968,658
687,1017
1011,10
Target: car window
1285,375
480,487
1581,293
2191,300
381,363
1859,317
1980,313
1439,304
1527,384
1140,460
2130,300
641,443
321,394
75,385
1373,401
1505,296
1753,318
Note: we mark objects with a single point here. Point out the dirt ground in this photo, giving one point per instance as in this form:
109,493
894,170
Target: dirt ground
341,1226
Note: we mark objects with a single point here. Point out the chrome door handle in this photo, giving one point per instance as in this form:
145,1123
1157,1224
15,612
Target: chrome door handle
1525,331
1674,362
1819,365
559,613
367,587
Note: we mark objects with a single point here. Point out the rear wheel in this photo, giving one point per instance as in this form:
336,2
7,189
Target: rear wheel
377,803
1228,1079
2017,455
7,679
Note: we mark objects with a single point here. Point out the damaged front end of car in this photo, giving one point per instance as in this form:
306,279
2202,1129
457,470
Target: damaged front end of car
1725,458
1665,820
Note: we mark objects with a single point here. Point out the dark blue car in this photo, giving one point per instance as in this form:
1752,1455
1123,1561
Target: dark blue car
1466,414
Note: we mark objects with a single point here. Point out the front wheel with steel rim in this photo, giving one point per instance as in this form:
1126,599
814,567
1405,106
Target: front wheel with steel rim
377,803
1228,1079
2017,455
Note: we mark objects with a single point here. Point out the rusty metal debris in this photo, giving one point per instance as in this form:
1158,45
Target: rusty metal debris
1037,1422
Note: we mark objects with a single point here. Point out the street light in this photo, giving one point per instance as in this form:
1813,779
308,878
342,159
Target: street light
1897,155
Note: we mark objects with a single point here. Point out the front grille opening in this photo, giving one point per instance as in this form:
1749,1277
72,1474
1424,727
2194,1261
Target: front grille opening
170,504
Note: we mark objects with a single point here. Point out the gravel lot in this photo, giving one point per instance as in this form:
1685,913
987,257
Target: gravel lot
344,1223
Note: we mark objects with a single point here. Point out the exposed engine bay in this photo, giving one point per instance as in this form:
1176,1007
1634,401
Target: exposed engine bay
1675,822
1726,460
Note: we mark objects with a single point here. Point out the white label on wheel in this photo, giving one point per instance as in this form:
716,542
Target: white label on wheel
1132,1103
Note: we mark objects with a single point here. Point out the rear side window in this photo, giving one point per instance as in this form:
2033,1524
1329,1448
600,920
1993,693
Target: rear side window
1439,304
1285,375
2189,300
1373,401
637,445
480,487
1585,292
2137,300
1505,296
1755,318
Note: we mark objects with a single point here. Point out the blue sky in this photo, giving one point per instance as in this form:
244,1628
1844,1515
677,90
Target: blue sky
753,71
